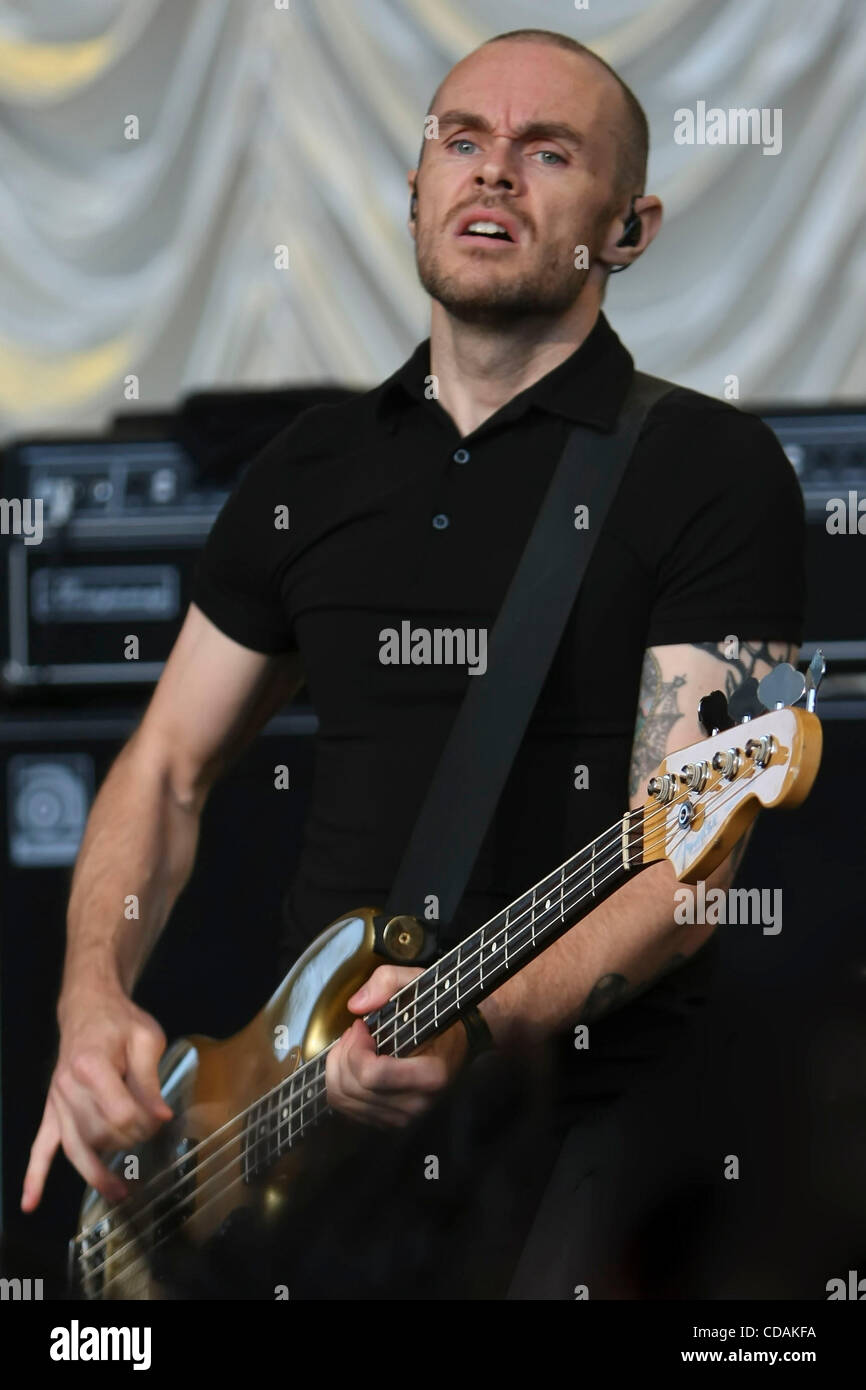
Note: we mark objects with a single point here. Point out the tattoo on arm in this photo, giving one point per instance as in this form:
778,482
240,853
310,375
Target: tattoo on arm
738,668
611,990
658,704
605,994
658,711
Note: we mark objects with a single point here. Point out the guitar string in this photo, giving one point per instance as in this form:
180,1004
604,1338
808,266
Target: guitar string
145,1255
615,829
184,1159
303,1103
613,852
659,813
226,1187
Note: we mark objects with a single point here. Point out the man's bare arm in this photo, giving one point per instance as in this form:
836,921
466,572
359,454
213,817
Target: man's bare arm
142,831
140,842
629,941
619,949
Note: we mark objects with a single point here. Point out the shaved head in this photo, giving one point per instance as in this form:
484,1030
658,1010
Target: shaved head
534,130
628,119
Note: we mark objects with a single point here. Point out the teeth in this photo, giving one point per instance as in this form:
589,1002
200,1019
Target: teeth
490,228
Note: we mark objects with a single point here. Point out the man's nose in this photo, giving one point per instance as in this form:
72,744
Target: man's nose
499,167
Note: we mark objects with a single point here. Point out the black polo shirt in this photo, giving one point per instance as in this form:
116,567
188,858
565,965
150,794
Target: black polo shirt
393,516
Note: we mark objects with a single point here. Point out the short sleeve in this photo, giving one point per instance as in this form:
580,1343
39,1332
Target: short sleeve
734,559
236,581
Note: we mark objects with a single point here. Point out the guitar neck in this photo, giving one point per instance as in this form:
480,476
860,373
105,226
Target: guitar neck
509,940
459,979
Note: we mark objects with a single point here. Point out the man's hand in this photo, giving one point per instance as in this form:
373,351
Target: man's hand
388,1091
104,1093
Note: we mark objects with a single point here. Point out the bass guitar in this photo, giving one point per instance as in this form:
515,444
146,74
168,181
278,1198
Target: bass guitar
242,1106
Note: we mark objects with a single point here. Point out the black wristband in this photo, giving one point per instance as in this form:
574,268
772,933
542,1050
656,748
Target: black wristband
477,1031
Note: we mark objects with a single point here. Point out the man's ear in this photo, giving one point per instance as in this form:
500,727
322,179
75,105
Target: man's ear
413,207
645,225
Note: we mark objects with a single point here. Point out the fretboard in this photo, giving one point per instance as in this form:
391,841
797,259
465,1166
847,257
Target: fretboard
459,979
508,941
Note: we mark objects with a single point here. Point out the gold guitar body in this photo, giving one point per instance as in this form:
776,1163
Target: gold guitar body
208,1084
238,1105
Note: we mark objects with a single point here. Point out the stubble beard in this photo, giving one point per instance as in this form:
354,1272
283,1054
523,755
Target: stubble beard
546,291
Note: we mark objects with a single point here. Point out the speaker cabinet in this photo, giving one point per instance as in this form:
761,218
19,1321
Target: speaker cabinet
215,964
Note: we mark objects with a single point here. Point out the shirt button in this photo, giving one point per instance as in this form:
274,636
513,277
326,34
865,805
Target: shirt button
440,521
461,456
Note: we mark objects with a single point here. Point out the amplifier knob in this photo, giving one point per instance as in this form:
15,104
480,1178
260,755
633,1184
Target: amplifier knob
163,485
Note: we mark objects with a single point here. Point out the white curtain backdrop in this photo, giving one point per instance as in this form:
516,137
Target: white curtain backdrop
261,126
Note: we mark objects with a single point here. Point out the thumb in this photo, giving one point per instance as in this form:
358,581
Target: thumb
359,1037
142,1078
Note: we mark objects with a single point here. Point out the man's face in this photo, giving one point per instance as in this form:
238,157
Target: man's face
555,192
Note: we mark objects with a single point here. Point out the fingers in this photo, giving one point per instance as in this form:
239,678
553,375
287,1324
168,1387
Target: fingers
85,1159
389,1074
42,1152
386,1116
104,1096
58,1127
377,1089
142,1077
381,986
110,1114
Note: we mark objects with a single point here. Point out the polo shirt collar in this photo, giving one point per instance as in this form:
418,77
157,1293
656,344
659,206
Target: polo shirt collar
587,388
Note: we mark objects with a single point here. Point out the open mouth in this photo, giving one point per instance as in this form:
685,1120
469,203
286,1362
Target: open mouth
486,229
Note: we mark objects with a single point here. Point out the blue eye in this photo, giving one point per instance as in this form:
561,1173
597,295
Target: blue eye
464,140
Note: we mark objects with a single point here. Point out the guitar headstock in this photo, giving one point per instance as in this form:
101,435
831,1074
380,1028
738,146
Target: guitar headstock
703,798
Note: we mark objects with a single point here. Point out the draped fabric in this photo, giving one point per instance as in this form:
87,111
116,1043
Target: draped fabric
200,192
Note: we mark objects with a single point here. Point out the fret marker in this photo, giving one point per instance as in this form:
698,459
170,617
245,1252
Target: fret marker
447,983
406,1016
547,904
309,1093
285,1111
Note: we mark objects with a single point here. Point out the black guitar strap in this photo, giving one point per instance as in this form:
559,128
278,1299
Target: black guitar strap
496,709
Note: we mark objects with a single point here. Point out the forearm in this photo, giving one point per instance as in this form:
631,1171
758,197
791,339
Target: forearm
136,855
619,949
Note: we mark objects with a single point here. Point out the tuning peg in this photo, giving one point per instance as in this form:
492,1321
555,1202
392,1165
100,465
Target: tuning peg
814,676
782,686
713,713
744,703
